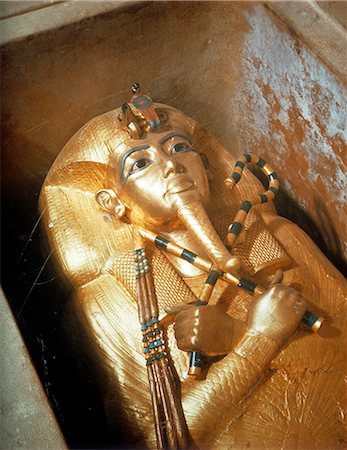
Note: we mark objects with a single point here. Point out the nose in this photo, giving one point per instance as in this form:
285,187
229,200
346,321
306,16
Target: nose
171,166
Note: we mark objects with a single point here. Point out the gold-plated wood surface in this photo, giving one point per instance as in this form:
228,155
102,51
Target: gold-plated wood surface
268,391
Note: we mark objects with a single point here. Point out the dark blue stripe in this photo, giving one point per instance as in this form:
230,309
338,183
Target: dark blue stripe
235,228
246,206
309,319
240,164
247,285
248,157
195,360
212,277
273,176
236,176
161,242
261,163
263,198
188,256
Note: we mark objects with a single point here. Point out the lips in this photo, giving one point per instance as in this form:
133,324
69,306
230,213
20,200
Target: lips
179,184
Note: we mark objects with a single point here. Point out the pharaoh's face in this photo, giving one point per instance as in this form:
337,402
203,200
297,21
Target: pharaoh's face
154,175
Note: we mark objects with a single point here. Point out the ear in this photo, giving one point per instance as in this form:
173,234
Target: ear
109,201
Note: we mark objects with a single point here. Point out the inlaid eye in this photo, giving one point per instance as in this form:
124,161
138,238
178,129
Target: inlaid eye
180,147
140,164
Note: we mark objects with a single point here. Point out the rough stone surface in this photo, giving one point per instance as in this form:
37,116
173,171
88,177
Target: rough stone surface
26,420
234,67
322,26
25,19
296,117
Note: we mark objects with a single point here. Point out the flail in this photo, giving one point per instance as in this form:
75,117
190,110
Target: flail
170,424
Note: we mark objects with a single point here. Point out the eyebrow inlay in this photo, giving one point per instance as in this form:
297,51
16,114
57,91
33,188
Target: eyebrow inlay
144,147
171,135
126,154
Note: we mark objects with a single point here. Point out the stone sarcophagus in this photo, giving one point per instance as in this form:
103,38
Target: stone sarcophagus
164,300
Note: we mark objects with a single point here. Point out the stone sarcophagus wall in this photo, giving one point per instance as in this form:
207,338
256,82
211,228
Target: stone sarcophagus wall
237,68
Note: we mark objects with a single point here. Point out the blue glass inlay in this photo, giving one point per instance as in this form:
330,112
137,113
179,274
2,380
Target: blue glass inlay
195,359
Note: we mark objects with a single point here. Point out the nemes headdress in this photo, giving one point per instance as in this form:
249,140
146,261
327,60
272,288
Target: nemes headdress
101,139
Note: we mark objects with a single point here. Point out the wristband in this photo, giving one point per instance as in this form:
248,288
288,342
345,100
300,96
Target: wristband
257,348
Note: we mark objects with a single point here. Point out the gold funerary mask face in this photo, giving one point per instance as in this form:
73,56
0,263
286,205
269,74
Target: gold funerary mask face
158,179
151,175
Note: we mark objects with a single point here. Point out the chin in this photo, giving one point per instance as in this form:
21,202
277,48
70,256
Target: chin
164,226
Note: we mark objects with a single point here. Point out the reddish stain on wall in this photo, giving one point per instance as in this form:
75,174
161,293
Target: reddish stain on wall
296,118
